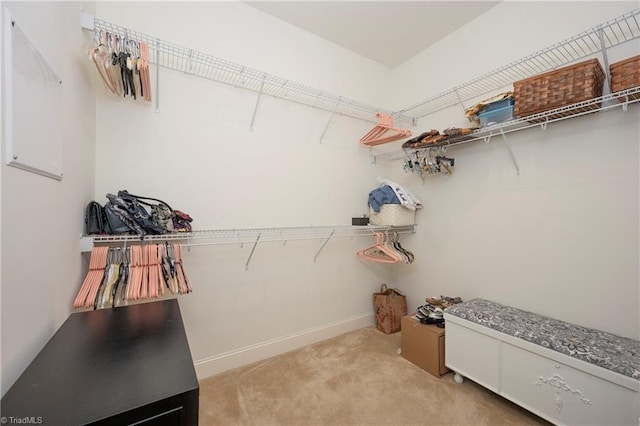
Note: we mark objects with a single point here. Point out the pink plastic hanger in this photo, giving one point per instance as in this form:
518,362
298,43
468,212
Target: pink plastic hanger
380,252
385,125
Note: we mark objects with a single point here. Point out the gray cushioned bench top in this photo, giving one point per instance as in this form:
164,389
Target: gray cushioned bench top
615,353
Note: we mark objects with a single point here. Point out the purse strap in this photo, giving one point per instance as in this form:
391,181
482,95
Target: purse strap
126,193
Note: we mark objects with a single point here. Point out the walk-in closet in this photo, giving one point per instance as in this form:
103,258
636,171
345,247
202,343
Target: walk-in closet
271,136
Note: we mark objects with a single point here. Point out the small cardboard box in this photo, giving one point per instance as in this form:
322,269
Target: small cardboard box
423,345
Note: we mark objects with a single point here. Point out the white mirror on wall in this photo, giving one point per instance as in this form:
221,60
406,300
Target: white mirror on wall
32,105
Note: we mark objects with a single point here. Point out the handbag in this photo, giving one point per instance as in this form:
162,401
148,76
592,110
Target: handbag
94,219
127,213
389,305
118,220
182,221
140,214
126,210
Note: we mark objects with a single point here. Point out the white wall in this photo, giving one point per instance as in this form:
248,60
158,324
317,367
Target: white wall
41,217
199,155
562,238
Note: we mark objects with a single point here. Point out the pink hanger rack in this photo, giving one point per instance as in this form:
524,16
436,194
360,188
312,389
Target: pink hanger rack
376,136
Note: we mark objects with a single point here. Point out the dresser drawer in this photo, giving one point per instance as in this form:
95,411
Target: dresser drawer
563,394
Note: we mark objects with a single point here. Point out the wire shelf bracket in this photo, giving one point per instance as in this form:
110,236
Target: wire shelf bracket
255,110
510,152
322,246
333,113
253,249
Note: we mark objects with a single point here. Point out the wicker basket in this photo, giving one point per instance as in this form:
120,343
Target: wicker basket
558,88
625,75
392,215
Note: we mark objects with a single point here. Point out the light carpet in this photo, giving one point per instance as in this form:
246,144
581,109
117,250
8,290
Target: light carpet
357,378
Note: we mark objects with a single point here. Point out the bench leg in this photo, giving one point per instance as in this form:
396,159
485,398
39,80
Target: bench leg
458,378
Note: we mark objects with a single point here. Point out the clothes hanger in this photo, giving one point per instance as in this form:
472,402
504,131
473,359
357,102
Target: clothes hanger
87,293
157,266
396,243
169,266
137,83
376,255
143,66
116,73
388,243
183,281
135,280
112,69
105,294
100,58
376,136
164,263
152,270
118,294
144,270
127,70
380,252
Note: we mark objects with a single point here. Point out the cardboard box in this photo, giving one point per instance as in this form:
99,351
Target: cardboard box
423,345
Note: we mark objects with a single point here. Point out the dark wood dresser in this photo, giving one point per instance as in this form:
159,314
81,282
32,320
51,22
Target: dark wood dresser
124,366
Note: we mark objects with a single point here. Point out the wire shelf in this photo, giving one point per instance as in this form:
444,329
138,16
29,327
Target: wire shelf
608,102
179,58
183,59
249,235
611,33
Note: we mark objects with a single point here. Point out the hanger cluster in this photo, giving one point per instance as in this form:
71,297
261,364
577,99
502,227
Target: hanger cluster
122,64
118,275
387,250
433,161
384,132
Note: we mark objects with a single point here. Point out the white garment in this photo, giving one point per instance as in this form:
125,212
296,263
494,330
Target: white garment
407,199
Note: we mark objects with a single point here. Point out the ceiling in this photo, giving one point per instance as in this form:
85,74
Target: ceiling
388,32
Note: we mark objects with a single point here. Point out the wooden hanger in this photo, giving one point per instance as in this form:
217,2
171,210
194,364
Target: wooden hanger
143,68
89,289
384,126
100,57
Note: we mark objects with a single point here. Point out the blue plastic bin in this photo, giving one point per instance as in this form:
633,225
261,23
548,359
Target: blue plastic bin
496,112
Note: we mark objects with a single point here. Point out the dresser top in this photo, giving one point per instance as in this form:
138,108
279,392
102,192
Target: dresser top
106,362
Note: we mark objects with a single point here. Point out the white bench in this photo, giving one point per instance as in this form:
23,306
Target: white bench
564,373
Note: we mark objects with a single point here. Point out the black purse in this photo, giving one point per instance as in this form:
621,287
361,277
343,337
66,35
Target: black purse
139,212
94,219
127,213
118,221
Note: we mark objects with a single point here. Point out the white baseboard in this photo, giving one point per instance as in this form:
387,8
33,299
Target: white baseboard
211,366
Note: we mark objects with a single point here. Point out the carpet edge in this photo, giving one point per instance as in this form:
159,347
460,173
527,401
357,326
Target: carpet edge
220,363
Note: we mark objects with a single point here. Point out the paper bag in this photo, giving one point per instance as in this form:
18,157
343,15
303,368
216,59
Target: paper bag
389,306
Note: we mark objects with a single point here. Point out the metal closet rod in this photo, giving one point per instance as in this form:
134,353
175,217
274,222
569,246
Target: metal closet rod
183,59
